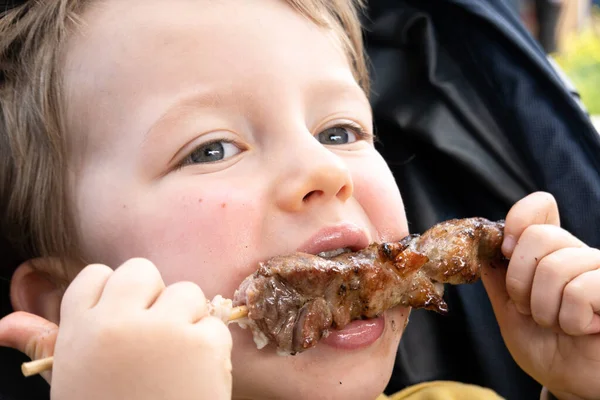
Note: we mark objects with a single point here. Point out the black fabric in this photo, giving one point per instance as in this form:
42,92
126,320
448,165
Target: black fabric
471,118
8,4
548,14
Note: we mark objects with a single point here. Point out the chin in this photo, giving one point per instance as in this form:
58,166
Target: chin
323,372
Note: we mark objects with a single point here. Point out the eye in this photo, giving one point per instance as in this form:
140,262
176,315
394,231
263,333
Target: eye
212,152
342,134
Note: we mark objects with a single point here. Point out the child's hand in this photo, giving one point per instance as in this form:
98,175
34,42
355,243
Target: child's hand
548,301
123,335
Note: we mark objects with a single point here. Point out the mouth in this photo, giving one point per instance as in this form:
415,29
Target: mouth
337,239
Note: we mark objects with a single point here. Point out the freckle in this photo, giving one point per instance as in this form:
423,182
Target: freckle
124,205
223,205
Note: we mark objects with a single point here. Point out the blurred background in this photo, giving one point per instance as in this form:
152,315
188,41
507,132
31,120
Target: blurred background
569,31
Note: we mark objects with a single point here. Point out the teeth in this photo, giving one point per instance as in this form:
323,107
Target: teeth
333,253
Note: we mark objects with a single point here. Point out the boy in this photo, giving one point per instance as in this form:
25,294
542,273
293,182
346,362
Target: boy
185,143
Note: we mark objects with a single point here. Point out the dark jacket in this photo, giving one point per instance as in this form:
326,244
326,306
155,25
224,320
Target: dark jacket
472,117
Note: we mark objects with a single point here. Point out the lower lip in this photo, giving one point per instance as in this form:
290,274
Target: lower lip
356,335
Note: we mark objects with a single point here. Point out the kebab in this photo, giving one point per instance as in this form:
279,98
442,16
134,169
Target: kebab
295,300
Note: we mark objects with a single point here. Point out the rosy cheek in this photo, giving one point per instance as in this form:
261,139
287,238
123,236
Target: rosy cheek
197,235
376,190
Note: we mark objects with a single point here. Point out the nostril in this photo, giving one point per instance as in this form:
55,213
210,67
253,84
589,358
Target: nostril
314,193
345,192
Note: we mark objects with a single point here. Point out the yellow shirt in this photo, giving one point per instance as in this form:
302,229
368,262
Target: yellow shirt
442,390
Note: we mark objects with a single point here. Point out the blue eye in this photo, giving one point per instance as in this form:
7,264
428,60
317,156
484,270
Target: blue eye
211,152
340,135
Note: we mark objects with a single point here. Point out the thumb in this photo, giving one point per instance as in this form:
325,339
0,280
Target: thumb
514,326
494,281
522,336
29,334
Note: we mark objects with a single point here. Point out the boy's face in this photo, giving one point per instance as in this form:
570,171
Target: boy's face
205,139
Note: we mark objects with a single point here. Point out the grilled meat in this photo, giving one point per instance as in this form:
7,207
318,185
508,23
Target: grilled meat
295,300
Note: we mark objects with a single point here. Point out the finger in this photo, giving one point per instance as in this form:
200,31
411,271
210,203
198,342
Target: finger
494,282
215,332
508,318
135,284
85,290
552,275
29,334
535,243
183,301
537,208
580,308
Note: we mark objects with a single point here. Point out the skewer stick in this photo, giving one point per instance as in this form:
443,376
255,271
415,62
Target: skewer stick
238,313
44,364
37,366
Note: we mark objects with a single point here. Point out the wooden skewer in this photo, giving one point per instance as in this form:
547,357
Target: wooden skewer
44,364
238,313
37,366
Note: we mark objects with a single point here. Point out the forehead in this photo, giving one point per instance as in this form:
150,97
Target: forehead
124,43
130,59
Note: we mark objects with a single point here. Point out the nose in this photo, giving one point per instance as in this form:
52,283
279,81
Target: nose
311,175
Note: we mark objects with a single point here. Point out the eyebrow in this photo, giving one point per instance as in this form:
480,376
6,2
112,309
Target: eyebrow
214,98
325,86
198,99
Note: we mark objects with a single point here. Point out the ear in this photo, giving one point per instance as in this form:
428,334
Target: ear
37,287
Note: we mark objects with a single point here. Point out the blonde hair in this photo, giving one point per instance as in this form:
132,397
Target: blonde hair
35,218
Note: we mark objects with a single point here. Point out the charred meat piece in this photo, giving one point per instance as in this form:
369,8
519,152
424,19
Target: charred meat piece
293,301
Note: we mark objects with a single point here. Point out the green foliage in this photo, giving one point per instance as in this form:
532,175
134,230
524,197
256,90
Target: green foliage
580,60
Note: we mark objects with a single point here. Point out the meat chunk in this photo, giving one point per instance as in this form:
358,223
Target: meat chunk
295,300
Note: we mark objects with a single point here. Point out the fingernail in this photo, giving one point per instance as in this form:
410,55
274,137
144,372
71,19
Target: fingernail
508,245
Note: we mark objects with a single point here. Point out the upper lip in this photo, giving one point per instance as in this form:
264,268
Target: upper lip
343,235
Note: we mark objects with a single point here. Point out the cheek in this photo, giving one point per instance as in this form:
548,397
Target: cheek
199,233
207,238
377,192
